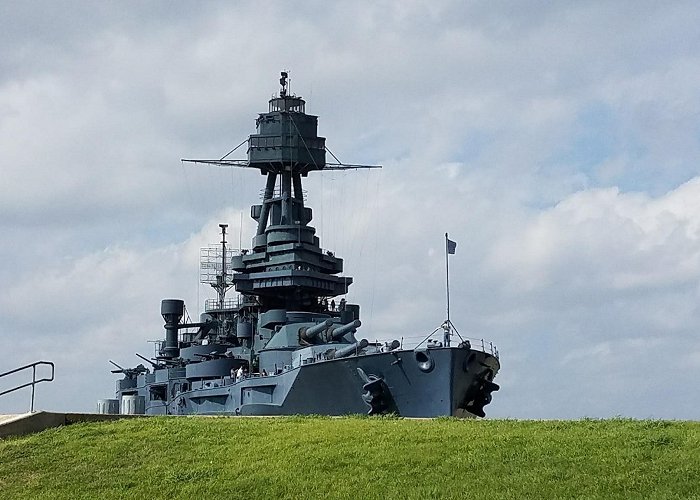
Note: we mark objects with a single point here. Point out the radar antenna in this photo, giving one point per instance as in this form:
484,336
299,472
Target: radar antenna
214,270
283,82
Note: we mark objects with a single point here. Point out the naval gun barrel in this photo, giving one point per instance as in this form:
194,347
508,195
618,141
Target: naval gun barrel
310,332
344,352
154,365
118,367
338,332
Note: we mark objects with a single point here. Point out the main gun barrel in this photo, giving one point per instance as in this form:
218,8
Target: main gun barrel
311,332
339,331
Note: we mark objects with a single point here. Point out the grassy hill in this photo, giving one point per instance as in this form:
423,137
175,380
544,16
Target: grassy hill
299,457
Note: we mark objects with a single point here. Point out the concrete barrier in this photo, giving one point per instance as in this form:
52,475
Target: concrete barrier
28,423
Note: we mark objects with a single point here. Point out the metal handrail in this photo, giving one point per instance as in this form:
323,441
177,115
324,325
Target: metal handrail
475,343
34,379
214,304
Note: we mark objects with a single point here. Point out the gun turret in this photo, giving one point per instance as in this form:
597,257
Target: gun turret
129,372
339,331
311,332
344,352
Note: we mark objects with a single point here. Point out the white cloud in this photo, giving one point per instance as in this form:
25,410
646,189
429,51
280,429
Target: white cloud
557,144
606,240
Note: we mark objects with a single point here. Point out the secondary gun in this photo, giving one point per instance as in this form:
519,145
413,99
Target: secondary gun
344,352
129,372
154,365
120,369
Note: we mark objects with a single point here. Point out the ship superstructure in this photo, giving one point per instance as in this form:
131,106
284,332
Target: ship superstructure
288,342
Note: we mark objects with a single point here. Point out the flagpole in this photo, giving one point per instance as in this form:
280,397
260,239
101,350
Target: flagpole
447,277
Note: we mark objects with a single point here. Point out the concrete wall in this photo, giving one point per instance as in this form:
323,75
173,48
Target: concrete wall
19,425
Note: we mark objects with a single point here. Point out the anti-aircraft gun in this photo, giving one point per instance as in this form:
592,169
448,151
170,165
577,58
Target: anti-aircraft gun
129,373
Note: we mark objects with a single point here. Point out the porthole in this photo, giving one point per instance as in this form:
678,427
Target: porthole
424,360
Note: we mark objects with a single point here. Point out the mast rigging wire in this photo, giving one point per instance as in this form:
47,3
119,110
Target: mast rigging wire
241,144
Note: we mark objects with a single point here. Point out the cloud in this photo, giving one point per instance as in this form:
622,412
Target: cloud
557,144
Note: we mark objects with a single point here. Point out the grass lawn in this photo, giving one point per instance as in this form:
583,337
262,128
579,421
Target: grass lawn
317,457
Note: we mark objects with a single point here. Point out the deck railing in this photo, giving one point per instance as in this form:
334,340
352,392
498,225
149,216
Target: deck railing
34,379
215,305
436,339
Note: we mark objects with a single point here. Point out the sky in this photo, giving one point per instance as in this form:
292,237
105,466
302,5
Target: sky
556,142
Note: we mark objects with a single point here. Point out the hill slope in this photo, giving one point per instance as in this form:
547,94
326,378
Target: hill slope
320,457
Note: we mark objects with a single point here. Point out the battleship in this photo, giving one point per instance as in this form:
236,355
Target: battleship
288,342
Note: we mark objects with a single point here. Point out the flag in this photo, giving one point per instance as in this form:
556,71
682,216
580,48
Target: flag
451,245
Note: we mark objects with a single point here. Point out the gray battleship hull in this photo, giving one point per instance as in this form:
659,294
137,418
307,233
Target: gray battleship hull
283,346
451,385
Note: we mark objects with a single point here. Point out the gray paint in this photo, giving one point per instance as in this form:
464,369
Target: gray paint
285,347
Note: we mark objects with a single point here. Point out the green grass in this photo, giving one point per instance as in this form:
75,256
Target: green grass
300,458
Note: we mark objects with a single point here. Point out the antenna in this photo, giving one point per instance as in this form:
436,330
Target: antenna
214,271
283,82
222,289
